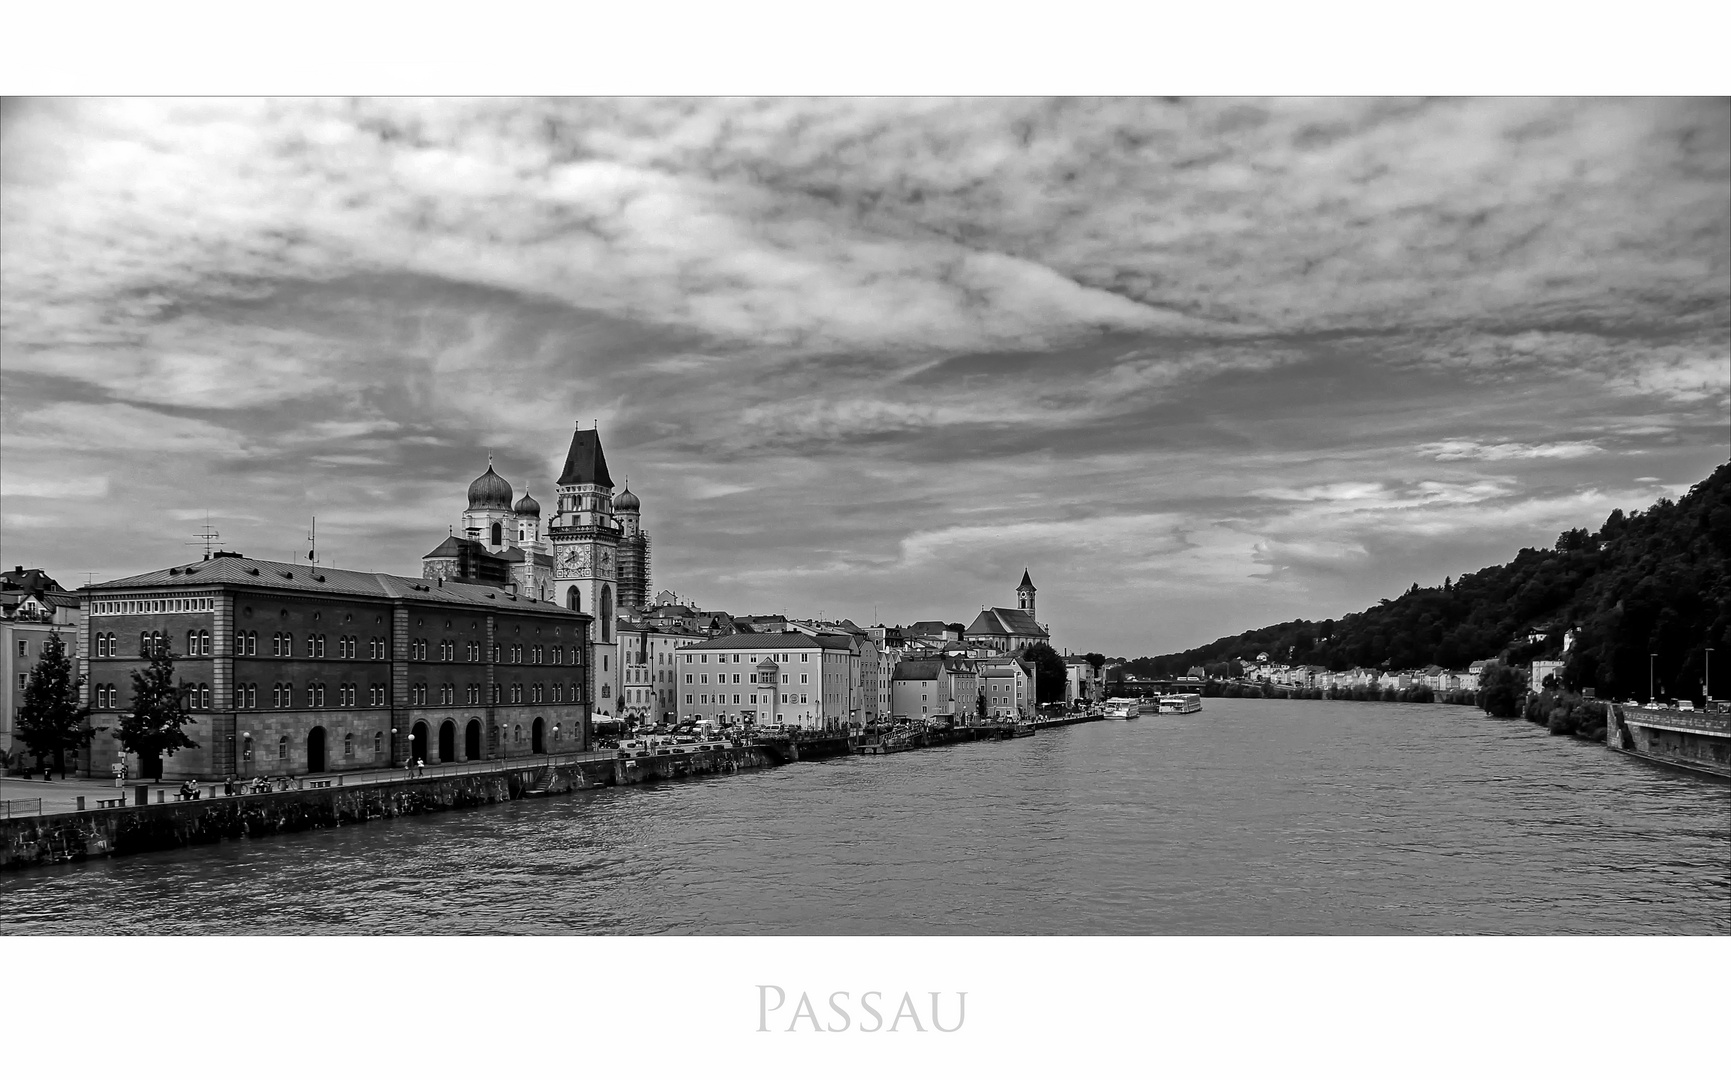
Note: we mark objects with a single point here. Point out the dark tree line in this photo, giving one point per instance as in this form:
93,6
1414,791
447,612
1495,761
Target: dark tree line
1652,582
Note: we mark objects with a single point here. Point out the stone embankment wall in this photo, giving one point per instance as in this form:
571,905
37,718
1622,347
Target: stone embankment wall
159,826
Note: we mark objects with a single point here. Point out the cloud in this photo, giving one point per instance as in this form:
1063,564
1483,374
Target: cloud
1467,450
1221,360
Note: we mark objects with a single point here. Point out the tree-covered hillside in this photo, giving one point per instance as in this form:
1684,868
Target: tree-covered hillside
1645,582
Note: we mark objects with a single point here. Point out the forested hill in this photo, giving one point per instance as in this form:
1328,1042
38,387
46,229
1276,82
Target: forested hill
1645,582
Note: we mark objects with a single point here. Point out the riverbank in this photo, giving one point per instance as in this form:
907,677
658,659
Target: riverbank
157,826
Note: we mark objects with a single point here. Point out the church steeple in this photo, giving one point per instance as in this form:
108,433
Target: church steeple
1025,593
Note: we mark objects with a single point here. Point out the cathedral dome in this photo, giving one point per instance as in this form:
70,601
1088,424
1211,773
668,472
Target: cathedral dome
527,506
490,491
626,503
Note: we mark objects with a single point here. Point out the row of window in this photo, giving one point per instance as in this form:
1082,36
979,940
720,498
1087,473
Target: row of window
165,606
769,699
107,696
721,658
424,648
519,693
750,677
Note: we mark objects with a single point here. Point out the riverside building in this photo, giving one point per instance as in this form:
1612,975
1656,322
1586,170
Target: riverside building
791,679
294,669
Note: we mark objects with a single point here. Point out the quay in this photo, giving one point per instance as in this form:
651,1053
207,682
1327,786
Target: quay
961,733
155,819
1699,742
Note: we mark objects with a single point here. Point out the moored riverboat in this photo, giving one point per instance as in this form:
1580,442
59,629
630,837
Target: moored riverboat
1181,703
1121,708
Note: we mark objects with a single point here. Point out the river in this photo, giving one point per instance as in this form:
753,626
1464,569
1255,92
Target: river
1250,817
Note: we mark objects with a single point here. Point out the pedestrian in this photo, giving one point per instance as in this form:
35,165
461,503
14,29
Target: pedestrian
47,772
420,766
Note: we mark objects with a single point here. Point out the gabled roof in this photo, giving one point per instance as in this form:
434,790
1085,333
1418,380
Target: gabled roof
299,577
584,462
1005,622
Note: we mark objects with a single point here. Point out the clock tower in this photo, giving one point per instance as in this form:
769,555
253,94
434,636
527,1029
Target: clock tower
585,537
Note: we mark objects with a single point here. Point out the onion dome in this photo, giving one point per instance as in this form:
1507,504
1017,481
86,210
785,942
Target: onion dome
626,503
490,491
527,506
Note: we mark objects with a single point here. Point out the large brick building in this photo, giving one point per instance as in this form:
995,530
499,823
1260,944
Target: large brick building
299,669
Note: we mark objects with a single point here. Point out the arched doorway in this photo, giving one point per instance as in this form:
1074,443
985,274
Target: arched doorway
316,750
573,599
472,741
538,737
418,741
448,741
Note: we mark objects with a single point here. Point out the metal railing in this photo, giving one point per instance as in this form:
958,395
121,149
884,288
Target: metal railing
13,808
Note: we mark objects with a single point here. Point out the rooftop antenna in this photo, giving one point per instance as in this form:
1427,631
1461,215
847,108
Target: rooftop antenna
206,537
312,537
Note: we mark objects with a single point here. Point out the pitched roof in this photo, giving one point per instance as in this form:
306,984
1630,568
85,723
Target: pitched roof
584,462
293,577
768,642
1027,582
1005,622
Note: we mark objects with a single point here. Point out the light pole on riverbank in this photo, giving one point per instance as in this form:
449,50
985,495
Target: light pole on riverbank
1707,676
1650,658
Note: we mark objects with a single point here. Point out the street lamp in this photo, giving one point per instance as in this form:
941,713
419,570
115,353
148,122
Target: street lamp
1707,676
246,755
1650,658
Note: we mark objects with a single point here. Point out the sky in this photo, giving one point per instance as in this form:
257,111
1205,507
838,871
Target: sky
1199,365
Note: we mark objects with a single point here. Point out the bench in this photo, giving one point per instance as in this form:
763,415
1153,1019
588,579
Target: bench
108,804
318,783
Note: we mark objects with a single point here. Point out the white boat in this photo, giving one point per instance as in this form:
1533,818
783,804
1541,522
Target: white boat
1181,703
1119,708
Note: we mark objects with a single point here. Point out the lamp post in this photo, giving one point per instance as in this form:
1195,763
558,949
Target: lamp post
246,755
392,763
1650,658
1707,676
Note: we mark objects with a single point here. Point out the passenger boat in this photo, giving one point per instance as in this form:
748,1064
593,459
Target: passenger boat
1120,708
1181,703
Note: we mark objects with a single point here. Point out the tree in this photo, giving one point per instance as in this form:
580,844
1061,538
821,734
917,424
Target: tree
154,725
980,704
1501,688
51,721
1049,673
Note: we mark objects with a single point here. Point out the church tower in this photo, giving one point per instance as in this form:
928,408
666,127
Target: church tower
585,535
633,553
1025,594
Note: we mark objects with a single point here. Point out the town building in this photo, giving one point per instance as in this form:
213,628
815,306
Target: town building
298,669
1009,630
946,685
33,607
1008,684
792,679
1543,669
647,670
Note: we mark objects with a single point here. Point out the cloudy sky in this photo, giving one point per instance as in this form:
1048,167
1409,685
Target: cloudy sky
1200,365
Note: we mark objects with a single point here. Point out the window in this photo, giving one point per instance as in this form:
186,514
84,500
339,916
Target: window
378,743
498,534
497,649
319,703
804,678
191,643
556,689
282,748
349,744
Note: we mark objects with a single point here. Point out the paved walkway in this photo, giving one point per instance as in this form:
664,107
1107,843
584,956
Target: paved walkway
61,796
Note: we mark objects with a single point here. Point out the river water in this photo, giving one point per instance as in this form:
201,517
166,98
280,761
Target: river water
1250,817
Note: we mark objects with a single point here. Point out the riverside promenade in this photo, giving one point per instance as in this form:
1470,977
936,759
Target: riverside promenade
21,797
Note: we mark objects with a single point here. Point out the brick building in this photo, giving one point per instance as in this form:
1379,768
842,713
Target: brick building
301,669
